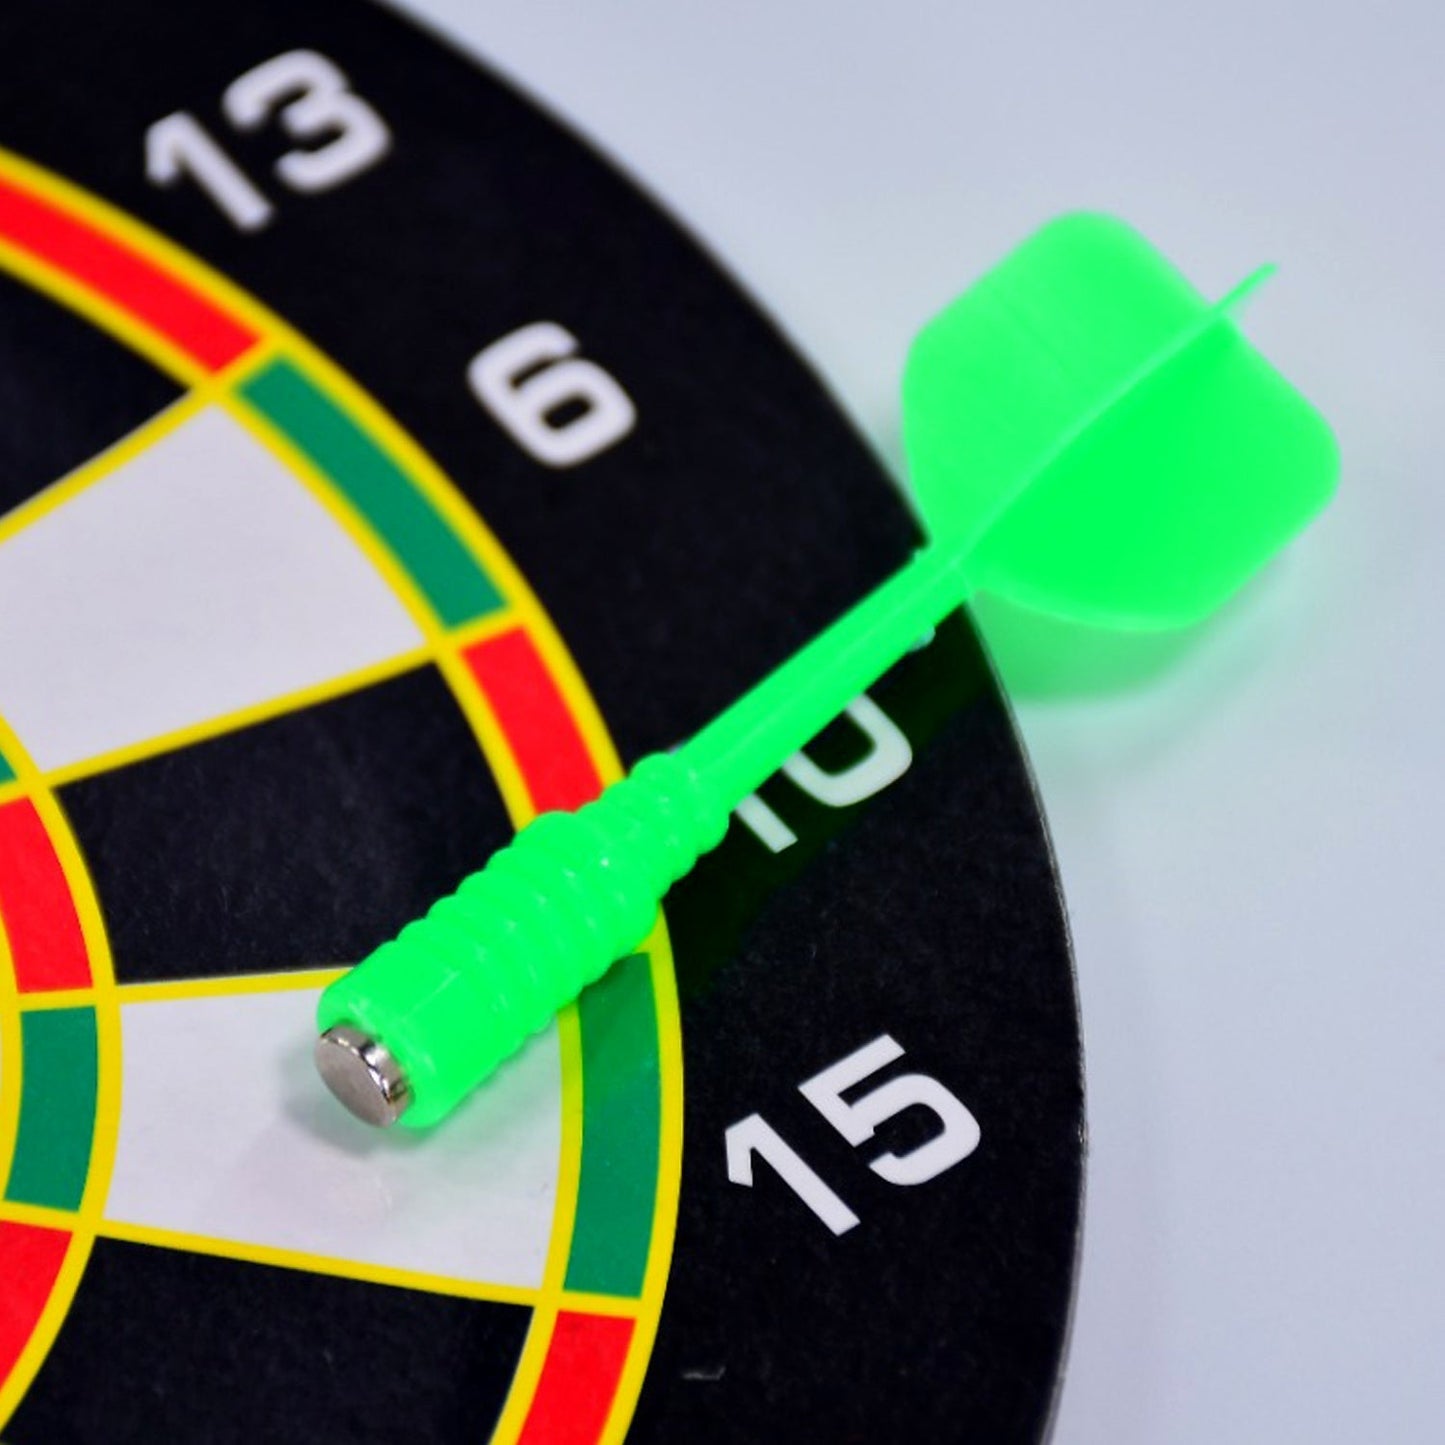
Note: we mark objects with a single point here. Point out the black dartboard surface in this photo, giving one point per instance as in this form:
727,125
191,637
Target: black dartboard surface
378,468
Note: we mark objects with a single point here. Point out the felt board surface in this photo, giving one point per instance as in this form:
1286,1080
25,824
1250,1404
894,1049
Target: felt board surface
277,622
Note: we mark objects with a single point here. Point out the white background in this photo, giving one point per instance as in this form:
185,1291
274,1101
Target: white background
1246,829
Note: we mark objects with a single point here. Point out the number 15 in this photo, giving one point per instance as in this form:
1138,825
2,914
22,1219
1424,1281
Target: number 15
958,1135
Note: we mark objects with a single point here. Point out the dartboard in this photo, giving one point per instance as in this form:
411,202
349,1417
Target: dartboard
378,469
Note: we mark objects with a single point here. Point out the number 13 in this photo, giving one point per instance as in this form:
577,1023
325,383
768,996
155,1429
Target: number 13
312,100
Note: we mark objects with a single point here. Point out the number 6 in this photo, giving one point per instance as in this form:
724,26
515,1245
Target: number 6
528,377
859,1121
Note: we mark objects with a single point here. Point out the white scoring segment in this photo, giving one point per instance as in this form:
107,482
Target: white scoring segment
196,578
225,1135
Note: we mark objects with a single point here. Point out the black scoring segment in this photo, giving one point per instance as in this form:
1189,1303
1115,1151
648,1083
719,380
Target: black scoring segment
67,391
296,1358
300,842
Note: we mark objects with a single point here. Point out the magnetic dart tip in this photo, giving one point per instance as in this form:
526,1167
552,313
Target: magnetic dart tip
362,1073
1086,436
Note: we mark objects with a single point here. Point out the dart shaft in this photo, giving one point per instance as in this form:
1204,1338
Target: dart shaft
753,738
431,1013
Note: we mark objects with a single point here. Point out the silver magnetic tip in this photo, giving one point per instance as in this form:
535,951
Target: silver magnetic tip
362,1073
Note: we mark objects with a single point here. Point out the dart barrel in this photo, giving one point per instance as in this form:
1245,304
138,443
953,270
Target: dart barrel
425,1018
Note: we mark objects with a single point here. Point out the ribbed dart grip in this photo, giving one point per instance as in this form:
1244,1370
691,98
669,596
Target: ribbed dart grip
462,988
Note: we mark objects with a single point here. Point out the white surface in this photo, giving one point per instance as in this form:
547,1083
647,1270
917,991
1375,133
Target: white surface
292,1171
1248,841
225,584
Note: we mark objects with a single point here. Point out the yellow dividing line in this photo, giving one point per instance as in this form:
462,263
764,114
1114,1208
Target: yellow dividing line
10,1060
309,1263
11,1067
578,1301
40,1215
469,634
103,464
242,717
335,1267
55,998
228,985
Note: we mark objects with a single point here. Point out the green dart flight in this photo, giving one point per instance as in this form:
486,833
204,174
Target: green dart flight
1086,436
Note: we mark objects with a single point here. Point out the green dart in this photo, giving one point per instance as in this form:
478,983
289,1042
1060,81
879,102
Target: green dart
1085,436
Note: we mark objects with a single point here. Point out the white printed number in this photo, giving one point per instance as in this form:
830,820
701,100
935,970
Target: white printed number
754,1135
557,406
312,101
858,1122
957,1137
889,756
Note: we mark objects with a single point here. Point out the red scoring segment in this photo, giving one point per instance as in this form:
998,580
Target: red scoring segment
118,273
579,1380
30,1259
47,948
540,731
